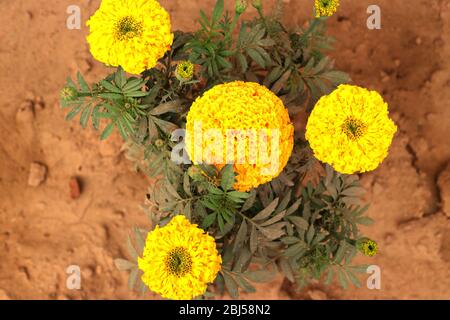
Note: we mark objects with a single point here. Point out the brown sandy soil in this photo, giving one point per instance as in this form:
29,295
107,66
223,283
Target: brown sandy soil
43,231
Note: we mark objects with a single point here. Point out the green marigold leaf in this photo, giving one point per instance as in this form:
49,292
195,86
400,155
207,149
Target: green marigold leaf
107,131
119,77
267,211
231,285
244,284
83,85
209,220
240,236
227,177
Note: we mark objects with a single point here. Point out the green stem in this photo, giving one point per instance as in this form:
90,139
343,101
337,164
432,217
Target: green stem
312,26
169,62
232,27
263,18
248,219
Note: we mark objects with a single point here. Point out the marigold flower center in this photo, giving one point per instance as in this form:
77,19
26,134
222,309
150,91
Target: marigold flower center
178,262
127,28
354,128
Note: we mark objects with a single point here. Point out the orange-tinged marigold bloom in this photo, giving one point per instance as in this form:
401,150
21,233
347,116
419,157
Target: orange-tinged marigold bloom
243,123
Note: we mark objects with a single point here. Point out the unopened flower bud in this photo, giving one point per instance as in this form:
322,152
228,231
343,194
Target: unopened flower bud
68,94
241,6
195,173
159,143
184,71
367,247
257,4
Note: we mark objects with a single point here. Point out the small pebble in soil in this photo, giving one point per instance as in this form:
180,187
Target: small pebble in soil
75,188
316,294
444,188
38,174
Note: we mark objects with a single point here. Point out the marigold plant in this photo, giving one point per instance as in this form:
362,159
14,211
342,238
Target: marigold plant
218,221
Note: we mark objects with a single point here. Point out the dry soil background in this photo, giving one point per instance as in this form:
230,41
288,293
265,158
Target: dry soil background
42,230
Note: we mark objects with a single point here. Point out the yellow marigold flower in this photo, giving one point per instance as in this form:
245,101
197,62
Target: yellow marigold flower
179,260
326,8
132,34
367,246
350,129
242,123
184,71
